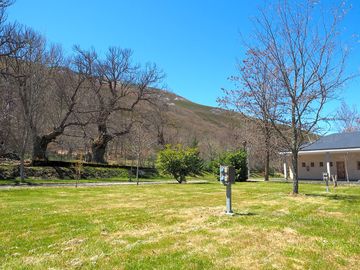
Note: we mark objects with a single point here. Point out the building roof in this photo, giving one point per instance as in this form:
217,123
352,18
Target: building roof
349,140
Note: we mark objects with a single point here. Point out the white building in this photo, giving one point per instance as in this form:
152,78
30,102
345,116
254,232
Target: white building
336,154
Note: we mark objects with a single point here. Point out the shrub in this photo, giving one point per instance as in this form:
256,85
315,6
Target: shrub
179,162
236,159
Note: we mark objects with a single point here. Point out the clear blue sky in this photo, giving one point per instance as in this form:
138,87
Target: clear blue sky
196,43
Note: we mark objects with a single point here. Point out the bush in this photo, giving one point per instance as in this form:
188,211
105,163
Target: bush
179,162
236,159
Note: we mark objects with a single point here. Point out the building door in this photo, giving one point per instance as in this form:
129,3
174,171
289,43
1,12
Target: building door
340,169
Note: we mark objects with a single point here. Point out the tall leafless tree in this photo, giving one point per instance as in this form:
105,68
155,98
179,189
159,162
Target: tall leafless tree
65,89
119,86
22,71
158,118
254,97
8,46
141,141
304,55
30,70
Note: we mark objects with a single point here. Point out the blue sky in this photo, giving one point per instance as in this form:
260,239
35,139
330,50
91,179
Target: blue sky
196,43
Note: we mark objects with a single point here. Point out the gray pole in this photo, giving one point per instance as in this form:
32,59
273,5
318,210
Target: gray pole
327,184
228,199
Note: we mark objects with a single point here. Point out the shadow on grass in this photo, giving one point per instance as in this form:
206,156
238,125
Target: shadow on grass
244,214
337,197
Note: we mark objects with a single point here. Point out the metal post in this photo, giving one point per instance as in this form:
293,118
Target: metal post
228,200
227,177
327,184
326,179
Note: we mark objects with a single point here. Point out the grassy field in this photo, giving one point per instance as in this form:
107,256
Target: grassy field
180,227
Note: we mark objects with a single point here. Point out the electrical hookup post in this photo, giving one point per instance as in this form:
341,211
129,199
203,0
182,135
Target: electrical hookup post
227,178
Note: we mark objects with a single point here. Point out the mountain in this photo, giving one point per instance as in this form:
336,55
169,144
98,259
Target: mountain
212,128
174,120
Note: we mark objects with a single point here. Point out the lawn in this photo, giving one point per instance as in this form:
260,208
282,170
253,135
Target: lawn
180,227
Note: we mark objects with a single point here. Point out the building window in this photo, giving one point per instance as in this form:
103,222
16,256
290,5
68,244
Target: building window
358,165
331,164
312,164
303,164
321,164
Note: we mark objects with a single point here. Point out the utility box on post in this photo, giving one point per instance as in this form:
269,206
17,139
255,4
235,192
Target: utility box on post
227,177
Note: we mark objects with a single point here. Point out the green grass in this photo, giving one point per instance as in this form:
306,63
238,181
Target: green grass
180,227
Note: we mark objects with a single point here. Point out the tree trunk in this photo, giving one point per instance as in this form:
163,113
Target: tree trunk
22,154
40,145
131,170
267,164
100,144
160,138
137,168
22,167
267,153
295,172
98,149
294,149
181,179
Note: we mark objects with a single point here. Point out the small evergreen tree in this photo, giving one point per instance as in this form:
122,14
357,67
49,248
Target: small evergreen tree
237,159
179,162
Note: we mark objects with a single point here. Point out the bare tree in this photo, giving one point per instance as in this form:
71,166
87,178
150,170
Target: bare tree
11,41
65,89
158,118
348,118
9,44
306,59
254,97
24,71
118,86
141,142
31,71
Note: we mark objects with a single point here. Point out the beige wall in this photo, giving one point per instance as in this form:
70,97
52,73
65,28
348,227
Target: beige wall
316,172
